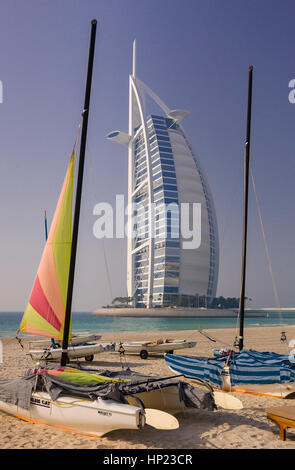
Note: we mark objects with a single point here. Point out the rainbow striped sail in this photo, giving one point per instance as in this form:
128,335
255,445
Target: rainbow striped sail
45,312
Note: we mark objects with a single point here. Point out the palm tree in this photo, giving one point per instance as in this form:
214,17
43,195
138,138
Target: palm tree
122,300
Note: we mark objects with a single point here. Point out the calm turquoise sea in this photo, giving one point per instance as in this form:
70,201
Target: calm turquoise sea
85,322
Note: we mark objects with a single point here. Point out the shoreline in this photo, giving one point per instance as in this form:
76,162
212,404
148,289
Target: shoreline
172,313
265,332
162,333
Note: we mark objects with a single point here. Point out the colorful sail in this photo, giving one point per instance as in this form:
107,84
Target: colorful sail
45,312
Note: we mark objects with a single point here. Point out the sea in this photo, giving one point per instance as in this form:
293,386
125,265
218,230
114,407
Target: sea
83,322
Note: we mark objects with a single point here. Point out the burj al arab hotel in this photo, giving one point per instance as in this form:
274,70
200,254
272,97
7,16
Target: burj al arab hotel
164,170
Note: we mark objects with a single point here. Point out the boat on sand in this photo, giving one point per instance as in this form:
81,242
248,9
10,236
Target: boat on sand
75,339
158,346
86,350
85,345
245,371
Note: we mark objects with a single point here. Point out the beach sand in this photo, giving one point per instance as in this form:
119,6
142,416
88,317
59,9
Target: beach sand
247,428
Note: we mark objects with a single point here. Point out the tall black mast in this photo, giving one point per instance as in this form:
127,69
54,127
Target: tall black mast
246,188
85,115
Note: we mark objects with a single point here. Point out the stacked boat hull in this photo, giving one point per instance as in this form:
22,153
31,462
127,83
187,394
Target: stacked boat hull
91,417
75,339
81,350
144,348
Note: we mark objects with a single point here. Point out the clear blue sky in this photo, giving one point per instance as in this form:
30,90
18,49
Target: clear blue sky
195,55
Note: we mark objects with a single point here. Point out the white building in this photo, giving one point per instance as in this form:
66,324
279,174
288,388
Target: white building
164,169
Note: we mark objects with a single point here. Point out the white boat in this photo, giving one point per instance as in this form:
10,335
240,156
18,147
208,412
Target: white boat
98,416
149,402
79,347
75,339
85,416
81,350
158,346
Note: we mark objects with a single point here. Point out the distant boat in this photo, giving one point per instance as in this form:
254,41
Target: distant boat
144,348
260,373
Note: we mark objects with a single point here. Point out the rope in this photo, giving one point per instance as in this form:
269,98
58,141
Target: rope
121,350
62,403
19,340
276,295
266,246
102,240
214,339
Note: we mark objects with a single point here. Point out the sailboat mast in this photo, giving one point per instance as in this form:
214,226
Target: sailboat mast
245,226
64,356
45,224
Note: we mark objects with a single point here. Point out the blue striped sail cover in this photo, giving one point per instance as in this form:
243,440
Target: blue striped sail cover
256,367
247,367
197,367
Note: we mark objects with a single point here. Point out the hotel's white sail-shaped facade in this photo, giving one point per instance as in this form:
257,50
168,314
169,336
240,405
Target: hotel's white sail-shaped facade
164,171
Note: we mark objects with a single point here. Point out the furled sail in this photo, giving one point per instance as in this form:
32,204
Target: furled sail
45,312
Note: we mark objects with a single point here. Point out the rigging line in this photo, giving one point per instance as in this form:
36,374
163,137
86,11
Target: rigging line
105,257
78,135
277,300
102,240
214,339
55,294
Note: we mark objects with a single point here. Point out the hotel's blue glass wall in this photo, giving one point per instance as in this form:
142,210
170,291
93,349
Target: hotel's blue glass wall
166,223
140,258
167,243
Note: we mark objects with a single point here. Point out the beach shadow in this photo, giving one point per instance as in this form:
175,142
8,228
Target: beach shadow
195,425
230,418
161,439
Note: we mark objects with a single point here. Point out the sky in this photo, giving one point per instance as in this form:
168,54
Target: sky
195,55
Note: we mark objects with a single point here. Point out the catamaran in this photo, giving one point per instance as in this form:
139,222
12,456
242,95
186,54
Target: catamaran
75,339
82,349
246,371
159,346
71,397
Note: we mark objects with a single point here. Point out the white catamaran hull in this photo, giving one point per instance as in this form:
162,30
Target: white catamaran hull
91,417
98,417
85,350
75,339
146,348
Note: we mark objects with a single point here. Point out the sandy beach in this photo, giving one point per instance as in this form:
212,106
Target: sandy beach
247,428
